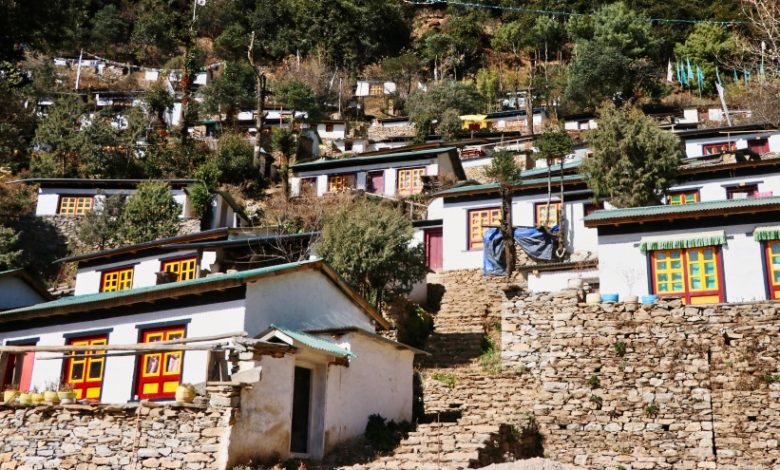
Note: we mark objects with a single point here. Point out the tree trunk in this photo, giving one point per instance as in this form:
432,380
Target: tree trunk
529,100
258,158
549,192
506,229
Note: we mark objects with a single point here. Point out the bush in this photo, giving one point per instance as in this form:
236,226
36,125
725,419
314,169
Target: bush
234,159
385,435
490,360
150,213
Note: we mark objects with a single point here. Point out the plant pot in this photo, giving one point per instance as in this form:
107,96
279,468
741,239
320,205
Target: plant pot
593,298
51,396
631,299
25,399
610,297
575,283
185,393
36,398
649,299
66,395
10,395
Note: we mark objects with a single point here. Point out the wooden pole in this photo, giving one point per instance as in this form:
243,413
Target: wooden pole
115,354
143,347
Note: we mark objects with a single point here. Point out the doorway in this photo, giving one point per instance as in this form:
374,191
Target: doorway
299,436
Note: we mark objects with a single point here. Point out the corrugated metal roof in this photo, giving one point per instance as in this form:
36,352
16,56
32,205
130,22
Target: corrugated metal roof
315,342
90,298
699,207
368,158
494,186
553,169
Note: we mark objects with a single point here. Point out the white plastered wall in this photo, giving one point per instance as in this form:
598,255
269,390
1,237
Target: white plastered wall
623,269
15,293
302,300
377,381
715,189
694,147
118,386
48,198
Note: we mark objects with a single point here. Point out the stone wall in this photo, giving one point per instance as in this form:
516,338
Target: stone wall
87,437
661,386
377,132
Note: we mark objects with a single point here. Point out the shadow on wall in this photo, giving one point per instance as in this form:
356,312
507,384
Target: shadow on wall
42,243
509,445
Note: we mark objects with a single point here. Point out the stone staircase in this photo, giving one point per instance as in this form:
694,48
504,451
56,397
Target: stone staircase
471,419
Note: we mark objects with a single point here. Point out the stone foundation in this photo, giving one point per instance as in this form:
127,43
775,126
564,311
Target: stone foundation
641,387
87,437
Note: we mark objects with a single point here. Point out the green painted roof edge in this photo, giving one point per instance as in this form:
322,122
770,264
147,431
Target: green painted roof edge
348,161
315,342
519,185
610,214
762,234
89,298
684,241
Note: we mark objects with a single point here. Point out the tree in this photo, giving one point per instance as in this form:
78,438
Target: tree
614,57
706,46
17,127
234,158
504,170
102,227
231,92
553,145
402,69
10,255
426,106
285,141
368,244
150,213
634,161
159,101
60,139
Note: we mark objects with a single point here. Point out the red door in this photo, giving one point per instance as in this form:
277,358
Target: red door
375,182
434,248
159,373
18,369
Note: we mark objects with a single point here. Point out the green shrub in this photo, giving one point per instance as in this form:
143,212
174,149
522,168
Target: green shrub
490,360
448,380
620,348
384,435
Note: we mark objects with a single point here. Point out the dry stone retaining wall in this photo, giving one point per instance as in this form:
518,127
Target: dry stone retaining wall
662,386
87,437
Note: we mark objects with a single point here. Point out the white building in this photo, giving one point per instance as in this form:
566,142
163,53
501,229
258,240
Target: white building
706,252
19,289
758,138
303,305
388,174
374,88
332,130
79,196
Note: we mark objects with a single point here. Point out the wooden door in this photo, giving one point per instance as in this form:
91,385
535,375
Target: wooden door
375,182
84,372
434,248
159,373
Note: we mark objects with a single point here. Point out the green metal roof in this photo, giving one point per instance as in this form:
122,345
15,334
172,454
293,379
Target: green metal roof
352,161
553,168
87,299
694,208
494,186
315,342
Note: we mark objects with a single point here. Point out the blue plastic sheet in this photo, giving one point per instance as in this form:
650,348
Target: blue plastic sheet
538,244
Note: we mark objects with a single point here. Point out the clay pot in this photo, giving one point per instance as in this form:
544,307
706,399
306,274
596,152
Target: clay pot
10,395
50,396
25,399
185,393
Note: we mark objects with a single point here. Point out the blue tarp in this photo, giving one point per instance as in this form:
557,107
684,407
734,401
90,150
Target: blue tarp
538,244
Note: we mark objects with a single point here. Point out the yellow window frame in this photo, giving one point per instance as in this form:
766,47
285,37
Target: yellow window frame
341,183
478,220
183,268
76,361
700,265
171,335
116,280
683,197
95,360
75,205
662,265
773,261
541,213
410,180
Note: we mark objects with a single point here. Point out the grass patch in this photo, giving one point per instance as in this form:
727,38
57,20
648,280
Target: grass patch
448,380
490,360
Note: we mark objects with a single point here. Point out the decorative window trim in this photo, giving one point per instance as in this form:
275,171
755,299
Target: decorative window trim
179,261
539,207
493,215
414,180
683,196
79,204
342,182
689,294
120,282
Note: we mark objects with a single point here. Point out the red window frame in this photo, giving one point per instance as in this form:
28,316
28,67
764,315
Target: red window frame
749,189
772,286
159,373
691,297
86,385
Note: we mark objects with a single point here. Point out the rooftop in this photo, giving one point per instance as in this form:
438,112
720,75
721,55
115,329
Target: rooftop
668,212
382,158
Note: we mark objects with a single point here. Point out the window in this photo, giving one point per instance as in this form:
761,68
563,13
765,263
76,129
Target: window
328,127
478,220
722,147
542,214
410,180
83,371
773,268
683,197
376,89
743,191
341,183
760,146
119,279
308,185
160,373
693,274
183,268
75,205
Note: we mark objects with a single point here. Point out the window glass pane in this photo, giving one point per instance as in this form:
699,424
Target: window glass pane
77,371
693,255
709,268
660,255
95,369
662,265
776,277
677,276
677,286
152,364
710,282
694,269
695,283
676,264
172,363
708,254
775,247
663,287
